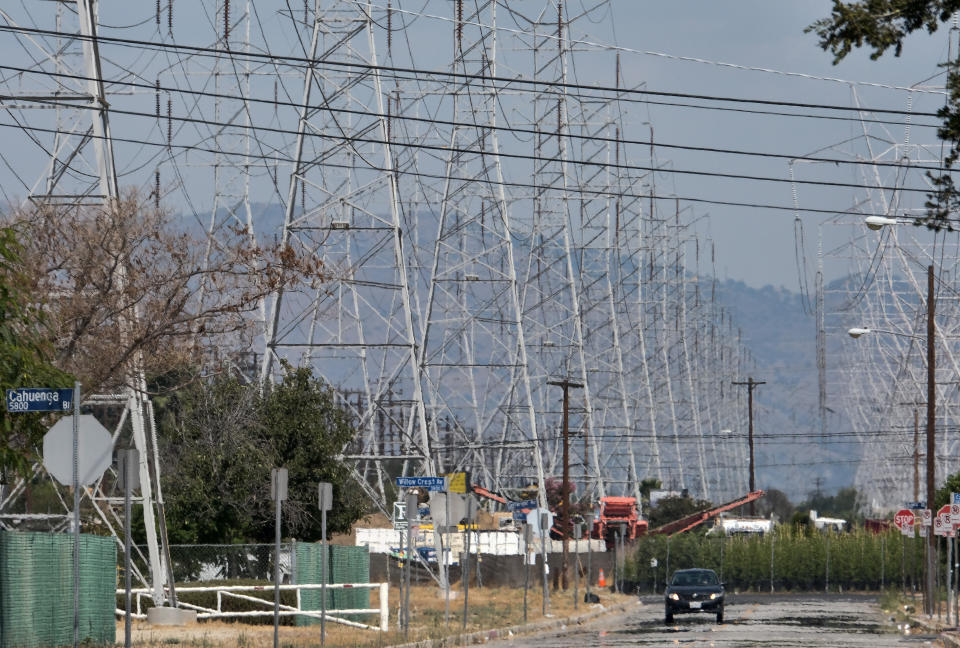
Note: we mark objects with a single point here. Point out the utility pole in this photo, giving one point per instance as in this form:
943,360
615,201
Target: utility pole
565,487
916,456
751,384
931,432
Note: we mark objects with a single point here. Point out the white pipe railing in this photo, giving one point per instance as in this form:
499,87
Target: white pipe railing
234,591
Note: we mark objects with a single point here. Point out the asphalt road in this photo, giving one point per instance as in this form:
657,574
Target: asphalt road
750,621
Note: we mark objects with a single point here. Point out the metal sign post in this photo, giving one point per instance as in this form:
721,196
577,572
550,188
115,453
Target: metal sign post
76,514
325,492
412,503
278,493
544,533
128,473
444,548
588,519
527,535
577,532
471,513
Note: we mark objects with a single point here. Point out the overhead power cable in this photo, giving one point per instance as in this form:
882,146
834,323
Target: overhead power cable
514,130
561,85
585,192
447,149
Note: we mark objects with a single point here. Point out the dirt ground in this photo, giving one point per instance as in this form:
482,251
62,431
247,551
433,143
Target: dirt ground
488,608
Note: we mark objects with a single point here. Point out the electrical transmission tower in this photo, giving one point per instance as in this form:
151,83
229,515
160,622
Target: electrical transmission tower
65,79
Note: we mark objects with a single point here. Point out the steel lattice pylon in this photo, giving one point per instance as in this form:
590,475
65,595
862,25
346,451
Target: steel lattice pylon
80,171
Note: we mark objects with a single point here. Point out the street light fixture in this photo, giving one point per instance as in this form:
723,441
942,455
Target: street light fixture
858,331
879,222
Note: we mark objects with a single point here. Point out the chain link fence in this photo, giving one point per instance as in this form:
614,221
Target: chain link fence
200,563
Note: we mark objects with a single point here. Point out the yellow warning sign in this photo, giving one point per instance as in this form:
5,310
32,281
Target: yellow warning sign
458,482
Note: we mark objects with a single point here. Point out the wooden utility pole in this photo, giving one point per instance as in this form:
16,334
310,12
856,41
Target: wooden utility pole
565,487
751,384
916,456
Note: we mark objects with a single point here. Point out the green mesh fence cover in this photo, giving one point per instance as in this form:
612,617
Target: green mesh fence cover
350,565
36,589
344,565
308,557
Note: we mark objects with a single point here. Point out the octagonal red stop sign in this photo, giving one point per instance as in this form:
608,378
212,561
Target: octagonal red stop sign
95,450
904,517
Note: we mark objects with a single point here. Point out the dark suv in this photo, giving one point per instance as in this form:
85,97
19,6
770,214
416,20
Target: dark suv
694,590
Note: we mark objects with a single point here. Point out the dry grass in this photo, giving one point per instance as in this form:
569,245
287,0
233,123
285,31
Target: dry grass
489,608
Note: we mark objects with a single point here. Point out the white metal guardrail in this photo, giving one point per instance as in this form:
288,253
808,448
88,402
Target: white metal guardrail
238,592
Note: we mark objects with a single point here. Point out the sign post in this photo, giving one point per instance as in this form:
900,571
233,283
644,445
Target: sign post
278,493
577,532
325,492
527,536
128,472
76,515
545,519
412,504
588,520
465,571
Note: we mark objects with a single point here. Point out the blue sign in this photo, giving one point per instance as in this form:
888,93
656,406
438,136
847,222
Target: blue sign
516,506
917,506
430,483
956,498
39,399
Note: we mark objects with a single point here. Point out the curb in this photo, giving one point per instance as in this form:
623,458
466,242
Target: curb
947,637
482,636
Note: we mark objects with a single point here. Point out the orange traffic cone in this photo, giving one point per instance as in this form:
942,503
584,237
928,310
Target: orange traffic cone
601,580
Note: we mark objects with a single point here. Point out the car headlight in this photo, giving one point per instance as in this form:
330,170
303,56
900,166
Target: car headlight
673,596
715,595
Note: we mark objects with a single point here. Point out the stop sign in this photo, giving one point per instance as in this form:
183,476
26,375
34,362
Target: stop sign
903,518
94,452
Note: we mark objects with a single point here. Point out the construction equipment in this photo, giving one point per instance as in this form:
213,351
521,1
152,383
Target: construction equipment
696,519
618,514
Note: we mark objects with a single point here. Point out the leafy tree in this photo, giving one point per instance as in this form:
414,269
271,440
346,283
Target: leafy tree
776,502
884,24
942,496
124,283
25,353
307,429
842,505
219,440
673,508
647,485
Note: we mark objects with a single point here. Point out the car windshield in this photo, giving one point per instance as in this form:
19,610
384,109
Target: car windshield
688,579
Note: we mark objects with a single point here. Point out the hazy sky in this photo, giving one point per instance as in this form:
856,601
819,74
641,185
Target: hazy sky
758,245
